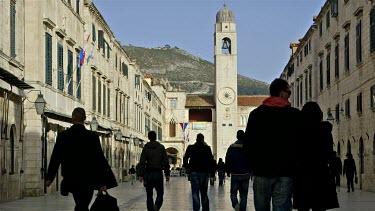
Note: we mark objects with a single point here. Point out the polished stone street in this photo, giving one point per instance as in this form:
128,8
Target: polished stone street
177,197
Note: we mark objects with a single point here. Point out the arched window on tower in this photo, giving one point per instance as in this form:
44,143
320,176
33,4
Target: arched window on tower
226,46
172,128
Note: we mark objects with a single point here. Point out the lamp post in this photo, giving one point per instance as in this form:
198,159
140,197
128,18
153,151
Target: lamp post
94,124
330,118
118,135
40,104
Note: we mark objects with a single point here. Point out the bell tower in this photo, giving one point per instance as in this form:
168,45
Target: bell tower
225,39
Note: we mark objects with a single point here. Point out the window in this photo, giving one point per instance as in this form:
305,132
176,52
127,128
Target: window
77,6
300,57
100,39
104,100
160,134
309,45
306,87
297,100
70,73
116,107
372,97
337,113
108,51
346,1
159,109
173,103
48,59
347,108
78,78
337,54
116,61
321,75
328,20
300,92
372,30
125,70
60,63
70,2
93,93
93,33
334,8
310,84
172,129
306,49
359,41
359,103
109,104
346,42
328,69
12,151
12,28
99,96
320,28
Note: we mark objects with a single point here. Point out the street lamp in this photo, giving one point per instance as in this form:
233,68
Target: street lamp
40,104
136,141
330,118
118,135
94,124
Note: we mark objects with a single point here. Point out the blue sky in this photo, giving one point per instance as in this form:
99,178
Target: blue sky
264,28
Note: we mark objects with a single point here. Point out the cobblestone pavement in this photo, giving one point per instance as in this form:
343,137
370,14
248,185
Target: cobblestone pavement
177,197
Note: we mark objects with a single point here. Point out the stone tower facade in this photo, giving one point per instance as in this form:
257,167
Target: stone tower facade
225,81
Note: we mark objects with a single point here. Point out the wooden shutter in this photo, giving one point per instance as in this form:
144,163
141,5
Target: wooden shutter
99,96
70,73
93,93
48,59
100,39
78,78
372,30
93,33
359,41
60,63
12,29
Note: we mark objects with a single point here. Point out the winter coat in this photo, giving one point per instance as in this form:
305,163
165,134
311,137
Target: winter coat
349,168
314,185
236,161
198,158
270,139
153,158
83,164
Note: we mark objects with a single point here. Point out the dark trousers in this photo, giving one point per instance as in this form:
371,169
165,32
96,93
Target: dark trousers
239,183
350,182
154,179
82,198
199,184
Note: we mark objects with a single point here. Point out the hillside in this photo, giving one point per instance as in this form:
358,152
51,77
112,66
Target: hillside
193,74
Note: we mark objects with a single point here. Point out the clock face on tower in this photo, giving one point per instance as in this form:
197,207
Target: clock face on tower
226,95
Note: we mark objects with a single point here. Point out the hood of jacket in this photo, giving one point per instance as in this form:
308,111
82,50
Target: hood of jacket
152,144
276,102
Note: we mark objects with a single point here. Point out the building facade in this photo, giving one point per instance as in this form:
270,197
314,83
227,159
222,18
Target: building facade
333,64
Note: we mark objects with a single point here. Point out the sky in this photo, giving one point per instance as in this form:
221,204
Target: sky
265,28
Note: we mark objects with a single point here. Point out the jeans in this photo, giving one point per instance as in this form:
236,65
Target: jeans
82,197
239,183
199,184
278,188
154,179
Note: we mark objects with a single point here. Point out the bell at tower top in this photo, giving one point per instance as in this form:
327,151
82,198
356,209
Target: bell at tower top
225,15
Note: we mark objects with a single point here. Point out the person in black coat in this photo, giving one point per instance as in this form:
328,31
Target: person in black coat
314,185
83,165
221,171
350,171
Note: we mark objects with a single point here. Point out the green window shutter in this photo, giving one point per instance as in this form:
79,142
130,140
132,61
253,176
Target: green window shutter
100,39
78,78
109,103
328,69
359,41
337,53
104,100
321,75
372,30
48,59
70,73
12,29
77,6
93,33
60,62
99,96
93,93
346,41
125,69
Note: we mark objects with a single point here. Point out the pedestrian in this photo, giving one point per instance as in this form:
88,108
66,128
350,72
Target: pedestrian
350,171
200,162
237,166
151,165
213,179
314,184
83,165
336,169
132,173
221,171
270,143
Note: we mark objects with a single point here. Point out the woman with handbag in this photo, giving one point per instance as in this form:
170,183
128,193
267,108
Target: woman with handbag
350,171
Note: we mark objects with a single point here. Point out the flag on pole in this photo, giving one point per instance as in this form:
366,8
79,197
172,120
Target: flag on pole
183,127
81,57
90,57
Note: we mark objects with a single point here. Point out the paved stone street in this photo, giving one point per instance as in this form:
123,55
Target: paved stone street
177,197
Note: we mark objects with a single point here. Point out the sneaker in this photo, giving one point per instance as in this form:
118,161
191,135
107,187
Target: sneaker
156,208
237,207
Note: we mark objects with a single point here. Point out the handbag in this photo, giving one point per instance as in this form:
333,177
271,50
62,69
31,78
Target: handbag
356,180
104,202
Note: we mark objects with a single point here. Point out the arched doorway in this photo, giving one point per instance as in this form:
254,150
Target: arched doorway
361,161
173,158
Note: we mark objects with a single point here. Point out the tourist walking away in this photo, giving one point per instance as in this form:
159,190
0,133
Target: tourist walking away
221,171
237,166
315,186
336,169
83,165
270,143
212,179
151,165
350,171
132,174
199,161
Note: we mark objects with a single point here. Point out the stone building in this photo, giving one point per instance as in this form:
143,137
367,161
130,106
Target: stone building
333,64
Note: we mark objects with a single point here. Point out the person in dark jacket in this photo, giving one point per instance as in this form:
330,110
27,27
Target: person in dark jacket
336,169
151,165
200,162
83,165
221,171
132,174
350,171
270,142
314,185
237,166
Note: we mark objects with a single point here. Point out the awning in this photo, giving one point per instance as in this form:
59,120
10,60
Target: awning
58,118
13,80
5,85
58,122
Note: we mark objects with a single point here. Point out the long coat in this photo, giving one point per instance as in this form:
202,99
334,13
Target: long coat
83,164
314,185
